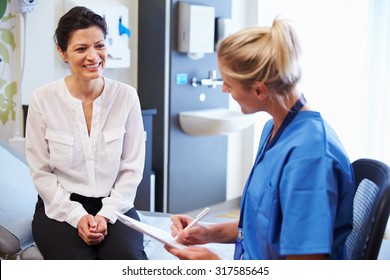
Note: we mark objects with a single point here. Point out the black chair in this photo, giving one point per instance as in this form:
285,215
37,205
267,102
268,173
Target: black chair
371,209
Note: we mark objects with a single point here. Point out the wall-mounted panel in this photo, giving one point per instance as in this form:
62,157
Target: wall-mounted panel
190,171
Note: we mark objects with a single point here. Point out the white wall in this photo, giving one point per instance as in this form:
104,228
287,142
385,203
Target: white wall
333,34
241,148
43,64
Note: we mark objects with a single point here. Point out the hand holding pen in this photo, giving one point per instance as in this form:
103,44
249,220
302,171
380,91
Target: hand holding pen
183,234
198,218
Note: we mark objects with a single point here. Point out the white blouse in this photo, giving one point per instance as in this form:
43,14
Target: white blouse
64,159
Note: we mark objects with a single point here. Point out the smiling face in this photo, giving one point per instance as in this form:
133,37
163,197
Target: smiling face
244,97
251,99
86,53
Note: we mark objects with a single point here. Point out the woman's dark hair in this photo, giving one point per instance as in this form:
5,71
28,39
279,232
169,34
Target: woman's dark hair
75,19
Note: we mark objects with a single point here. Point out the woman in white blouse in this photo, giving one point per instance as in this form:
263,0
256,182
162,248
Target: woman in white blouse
85,147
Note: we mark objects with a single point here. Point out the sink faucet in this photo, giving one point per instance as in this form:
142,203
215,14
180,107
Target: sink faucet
212,81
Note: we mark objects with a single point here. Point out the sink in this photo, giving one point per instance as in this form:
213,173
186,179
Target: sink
217,121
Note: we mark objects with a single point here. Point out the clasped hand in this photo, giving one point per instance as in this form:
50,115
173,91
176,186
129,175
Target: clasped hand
92,229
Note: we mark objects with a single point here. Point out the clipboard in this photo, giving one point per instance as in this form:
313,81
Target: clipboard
154,232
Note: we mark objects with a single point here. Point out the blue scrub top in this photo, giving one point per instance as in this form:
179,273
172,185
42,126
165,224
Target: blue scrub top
299,196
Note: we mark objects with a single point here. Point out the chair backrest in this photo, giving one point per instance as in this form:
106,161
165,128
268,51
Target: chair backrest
371,209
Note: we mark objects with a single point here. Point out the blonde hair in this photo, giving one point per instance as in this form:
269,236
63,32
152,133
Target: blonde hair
266,55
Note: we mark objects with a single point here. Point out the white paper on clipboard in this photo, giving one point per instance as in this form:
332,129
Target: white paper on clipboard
154,232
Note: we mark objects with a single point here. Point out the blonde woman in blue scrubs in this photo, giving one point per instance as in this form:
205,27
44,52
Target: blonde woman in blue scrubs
297,202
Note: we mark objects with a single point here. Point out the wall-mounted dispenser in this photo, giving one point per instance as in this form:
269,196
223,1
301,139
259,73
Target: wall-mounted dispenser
196,24
225,27
117,19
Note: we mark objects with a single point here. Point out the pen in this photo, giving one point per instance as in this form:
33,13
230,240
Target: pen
198,217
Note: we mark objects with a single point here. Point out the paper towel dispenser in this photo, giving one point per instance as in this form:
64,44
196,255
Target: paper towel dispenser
196,28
